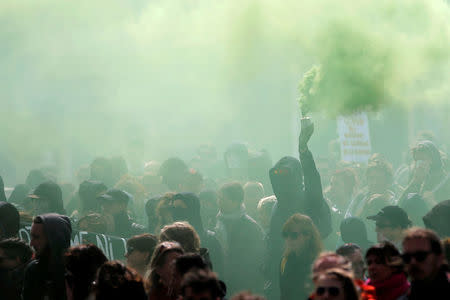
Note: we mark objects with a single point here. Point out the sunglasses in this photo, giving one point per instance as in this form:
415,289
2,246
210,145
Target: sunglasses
332,291
293,234
419,256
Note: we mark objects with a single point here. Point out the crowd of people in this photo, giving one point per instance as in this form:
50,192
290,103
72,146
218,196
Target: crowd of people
241,228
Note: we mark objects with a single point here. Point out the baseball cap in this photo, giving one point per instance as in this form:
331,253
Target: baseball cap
393,214
115,195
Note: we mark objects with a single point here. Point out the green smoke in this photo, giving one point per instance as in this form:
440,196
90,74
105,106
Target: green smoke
149,79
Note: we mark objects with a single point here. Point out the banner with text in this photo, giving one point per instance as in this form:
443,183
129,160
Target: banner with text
113,247
354,137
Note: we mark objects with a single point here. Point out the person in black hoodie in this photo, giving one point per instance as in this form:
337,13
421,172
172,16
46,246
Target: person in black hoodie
9,220
298,188
44,276
186,207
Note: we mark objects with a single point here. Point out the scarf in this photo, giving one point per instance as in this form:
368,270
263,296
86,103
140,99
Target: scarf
391,288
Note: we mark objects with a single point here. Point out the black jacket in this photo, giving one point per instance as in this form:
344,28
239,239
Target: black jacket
243,254
298,189
295,281
44,276
207,237
439,288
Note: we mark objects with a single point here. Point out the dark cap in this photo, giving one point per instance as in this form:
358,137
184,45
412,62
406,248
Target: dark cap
48,190
395,215
115,195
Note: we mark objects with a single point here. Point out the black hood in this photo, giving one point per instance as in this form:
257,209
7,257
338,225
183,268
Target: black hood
438,219
9,220
286,178
192,213
58,230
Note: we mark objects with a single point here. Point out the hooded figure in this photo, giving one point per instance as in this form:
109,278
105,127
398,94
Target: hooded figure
9,220
44,276
438,219
298,189
191,214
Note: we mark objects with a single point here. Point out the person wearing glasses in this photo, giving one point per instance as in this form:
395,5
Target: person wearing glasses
386,272
302,246
425,263
335,284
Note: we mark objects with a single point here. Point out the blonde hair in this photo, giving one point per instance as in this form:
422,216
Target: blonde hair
182,233
314,245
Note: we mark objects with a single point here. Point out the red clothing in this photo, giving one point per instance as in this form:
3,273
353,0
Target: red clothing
366,292
391,288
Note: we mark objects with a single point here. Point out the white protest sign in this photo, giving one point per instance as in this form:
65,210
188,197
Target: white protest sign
354,137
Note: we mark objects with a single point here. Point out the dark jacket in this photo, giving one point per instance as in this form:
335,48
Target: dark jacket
207,237
244,252
298,190
439,288
44,276
294,277
9,220
11,283
125,227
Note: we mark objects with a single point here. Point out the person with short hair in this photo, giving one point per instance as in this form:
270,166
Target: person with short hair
44,276
242,240
335,284
15,255
82,263
391,223
425,264
386,271
115,281
354,254
201,285
139,251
